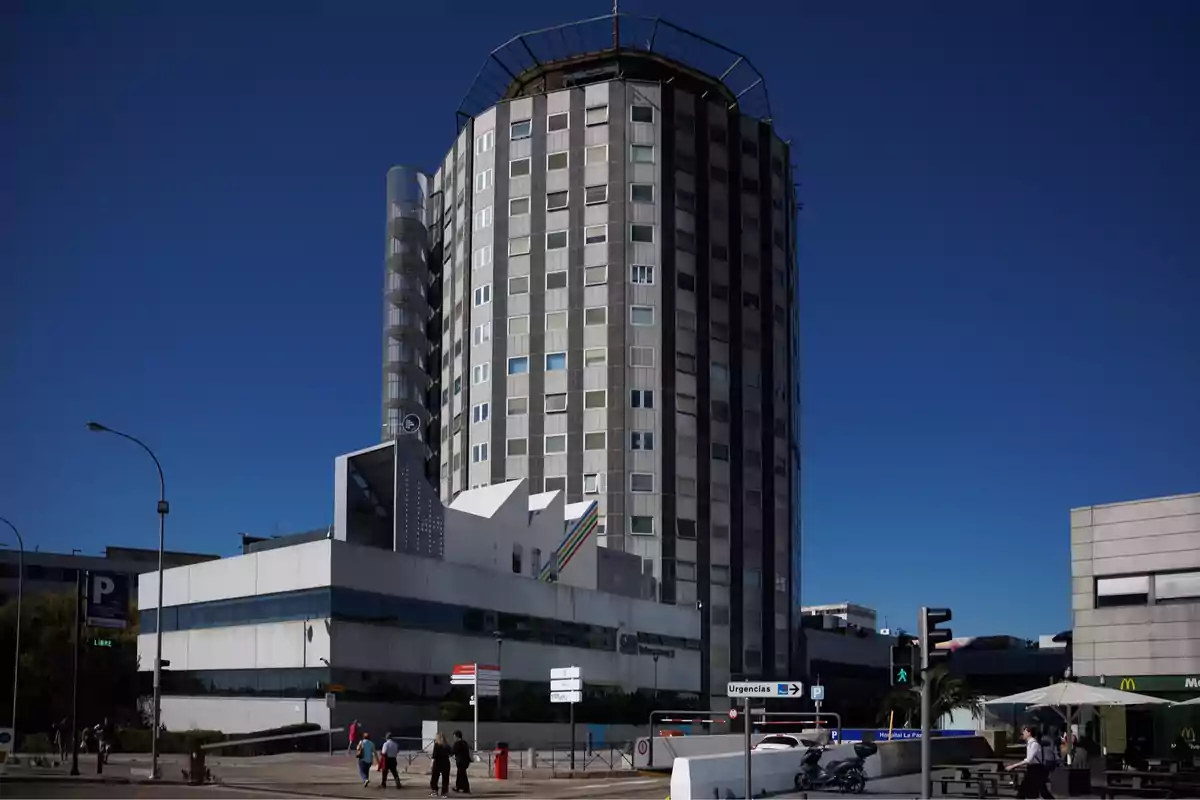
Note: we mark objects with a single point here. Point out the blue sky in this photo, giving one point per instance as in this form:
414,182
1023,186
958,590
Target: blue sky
998,267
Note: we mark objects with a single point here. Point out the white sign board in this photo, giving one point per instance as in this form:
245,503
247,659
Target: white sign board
565,673
330,700
566,685
764,689
816,693
566,697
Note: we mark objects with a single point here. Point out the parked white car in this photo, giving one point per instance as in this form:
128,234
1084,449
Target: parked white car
778,741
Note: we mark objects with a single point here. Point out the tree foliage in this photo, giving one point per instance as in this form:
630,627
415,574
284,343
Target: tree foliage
949,693
108,678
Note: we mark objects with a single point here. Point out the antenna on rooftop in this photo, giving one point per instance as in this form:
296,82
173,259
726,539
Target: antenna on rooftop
616,27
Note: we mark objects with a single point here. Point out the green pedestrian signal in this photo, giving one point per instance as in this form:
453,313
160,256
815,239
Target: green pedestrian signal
903,657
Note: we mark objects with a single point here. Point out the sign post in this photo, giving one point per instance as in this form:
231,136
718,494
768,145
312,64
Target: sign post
817,693
484,681
566,686
107,600
749,689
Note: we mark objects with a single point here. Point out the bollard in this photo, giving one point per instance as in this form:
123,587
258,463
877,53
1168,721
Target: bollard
197,769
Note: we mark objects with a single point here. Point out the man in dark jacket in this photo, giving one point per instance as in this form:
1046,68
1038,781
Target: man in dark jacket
462,759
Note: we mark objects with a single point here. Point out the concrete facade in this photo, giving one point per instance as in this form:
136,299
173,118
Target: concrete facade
1135,575
611,297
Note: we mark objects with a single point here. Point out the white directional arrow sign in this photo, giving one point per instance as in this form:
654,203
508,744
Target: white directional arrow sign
764,689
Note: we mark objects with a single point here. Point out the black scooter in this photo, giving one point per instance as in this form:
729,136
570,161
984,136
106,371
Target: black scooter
847,776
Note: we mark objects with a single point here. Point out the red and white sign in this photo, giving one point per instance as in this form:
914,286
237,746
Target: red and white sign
733,712
483,678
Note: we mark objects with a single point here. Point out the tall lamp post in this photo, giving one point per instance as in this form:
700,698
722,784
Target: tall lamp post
17,648
163,510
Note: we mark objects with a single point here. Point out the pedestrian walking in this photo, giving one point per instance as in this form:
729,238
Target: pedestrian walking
62,738
441,766
1034,785
390,751
353,738
366,757
462,759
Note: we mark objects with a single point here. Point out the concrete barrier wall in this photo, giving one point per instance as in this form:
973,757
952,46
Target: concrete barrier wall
704,777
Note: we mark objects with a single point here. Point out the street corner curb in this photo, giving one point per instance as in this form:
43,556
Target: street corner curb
70,779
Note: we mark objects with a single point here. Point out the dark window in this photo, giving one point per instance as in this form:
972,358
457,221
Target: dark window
716,134
719,251
685,200
685,163
749,185
720,291
719,174
720,411
749,148
641,113
686,281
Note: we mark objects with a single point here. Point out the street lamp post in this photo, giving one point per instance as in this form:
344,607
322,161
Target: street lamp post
163,510
17,647
656,676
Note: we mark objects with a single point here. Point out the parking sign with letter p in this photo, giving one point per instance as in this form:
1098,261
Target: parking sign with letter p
106,599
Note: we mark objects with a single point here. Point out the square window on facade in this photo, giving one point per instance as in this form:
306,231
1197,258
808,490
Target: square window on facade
481,333
641,233
595,234
595,357
555,443
641,482
641,398
556,200
556,320
520,130
641,153
596,115
640,113
556,279
685,363
479,453
641,273
641,525
518,365
641,315
686,487
558,122
595,276
593,483
595,398
483,294
685,404
641,356
519,246
595,440
485,142
595,316
594,195
685,200
720,452
556,240
555,483
596,154
641,440
556,362
685,281
557,161
642,193
518,206
517,406
519,167
518,285
481,373
685,240
556,403
517,447
483,181
518,326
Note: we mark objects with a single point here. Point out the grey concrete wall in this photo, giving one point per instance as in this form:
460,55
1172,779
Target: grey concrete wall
1157,539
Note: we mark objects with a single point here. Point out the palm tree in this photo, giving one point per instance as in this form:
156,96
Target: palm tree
949,693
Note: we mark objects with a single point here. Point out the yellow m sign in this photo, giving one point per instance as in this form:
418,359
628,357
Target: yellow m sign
1189,734
1128,685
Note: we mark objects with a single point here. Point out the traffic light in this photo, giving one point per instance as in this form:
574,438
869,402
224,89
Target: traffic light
932,635
903,656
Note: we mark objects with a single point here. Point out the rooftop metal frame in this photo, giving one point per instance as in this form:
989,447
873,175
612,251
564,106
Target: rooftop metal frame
526,56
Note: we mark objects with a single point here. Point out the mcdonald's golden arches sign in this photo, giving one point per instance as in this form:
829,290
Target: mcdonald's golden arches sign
1188,734
1128,685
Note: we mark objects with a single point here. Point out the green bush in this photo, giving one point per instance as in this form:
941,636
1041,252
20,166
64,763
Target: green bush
138,740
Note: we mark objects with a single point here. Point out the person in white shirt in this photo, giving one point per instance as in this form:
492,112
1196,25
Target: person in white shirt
1037,776
390,751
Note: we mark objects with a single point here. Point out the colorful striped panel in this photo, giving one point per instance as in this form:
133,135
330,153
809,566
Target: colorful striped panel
579,533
